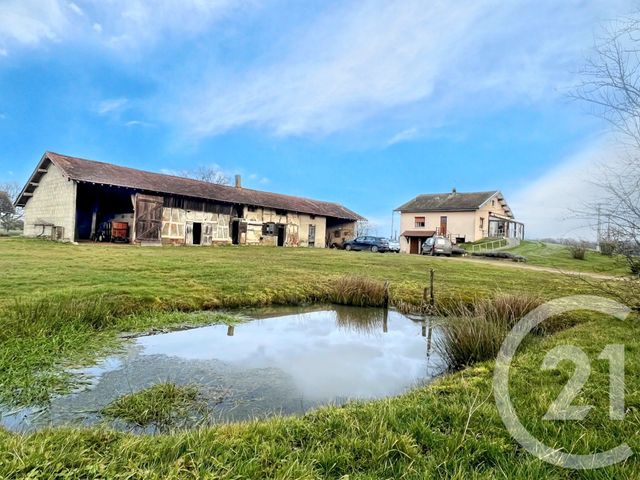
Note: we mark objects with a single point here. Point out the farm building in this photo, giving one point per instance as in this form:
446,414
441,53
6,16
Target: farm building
74,199
461,216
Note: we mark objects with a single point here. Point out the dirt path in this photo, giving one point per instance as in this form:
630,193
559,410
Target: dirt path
536,268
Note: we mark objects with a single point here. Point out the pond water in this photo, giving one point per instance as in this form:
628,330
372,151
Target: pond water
282,361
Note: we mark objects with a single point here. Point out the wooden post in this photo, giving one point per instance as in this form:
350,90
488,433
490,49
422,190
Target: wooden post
431,292
386,295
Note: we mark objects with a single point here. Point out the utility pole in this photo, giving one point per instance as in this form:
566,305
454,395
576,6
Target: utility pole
599,234
392,218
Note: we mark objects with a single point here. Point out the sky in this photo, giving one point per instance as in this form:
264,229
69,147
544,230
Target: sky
367,103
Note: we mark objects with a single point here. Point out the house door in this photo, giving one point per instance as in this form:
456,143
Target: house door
443,226
148,218
312,236
414,246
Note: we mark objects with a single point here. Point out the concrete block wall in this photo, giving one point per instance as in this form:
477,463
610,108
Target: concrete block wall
53,201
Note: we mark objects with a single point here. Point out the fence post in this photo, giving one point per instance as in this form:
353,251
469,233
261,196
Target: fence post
386,294
431,292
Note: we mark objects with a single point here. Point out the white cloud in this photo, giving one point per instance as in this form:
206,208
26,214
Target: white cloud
76,9
548,205
128,25
371,59
30,22
403,136
137,123
111,105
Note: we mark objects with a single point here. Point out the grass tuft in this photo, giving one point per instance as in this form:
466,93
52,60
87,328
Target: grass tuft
475,331
359,292
162,406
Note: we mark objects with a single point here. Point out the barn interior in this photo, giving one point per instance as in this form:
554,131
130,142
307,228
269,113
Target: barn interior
97,204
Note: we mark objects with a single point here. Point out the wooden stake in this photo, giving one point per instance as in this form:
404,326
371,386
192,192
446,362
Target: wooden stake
431,292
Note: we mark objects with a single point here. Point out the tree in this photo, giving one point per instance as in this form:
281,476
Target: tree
207,174
10,217
363,228
611,86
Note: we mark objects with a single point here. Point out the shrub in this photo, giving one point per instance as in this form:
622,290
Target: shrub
608,247
578,250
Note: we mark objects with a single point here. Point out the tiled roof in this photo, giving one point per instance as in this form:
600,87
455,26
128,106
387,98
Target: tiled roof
83,170
451,202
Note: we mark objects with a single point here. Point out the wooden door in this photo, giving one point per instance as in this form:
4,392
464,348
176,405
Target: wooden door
312,236
414,246
207,233
188,233
443,226
148,218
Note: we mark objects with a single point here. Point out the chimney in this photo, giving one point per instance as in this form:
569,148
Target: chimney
454,191
238,181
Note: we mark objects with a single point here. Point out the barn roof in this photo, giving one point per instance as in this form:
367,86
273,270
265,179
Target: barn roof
91,171
452,202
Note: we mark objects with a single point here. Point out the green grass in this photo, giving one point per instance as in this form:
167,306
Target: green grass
61,303
162,406
197,277
558,257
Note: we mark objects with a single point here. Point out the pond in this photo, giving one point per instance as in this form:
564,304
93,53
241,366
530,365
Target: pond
281,361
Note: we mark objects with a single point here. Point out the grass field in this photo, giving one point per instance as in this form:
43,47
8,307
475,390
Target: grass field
449,429
558,257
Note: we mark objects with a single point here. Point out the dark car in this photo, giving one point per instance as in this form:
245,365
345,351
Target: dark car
372,244
437,246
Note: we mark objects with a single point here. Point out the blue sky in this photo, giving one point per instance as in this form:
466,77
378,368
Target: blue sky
367,103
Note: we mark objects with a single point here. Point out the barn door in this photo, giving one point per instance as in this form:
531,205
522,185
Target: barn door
148,218
188,233
207,233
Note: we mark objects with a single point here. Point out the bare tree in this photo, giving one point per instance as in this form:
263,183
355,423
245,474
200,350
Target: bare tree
611,86
10,217
363,228
207,174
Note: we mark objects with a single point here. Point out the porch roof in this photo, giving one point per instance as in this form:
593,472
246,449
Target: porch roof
418,233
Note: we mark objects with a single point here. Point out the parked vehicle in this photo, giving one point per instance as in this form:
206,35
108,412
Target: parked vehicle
437,245
373,244
394,246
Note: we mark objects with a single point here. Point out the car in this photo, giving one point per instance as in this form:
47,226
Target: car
394,246
437,245
372,244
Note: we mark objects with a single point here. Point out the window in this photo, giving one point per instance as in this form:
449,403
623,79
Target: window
282,213
481,223
420,222
336,234
269,228
493,203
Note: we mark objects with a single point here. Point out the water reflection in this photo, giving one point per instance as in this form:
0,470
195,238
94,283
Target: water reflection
283,364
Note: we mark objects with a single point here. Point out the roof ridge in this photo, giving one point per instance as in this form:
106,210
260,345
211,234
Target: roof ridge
202,182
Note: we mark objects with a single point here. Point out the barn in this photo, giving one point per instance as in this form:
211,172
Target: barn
74,199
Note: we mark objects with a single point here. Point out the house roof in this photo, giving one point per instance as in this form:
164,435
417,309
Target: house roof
452,202
91,171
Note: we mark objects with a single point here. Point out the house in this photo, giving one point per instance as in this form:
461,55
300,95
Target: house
463,217
69,198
